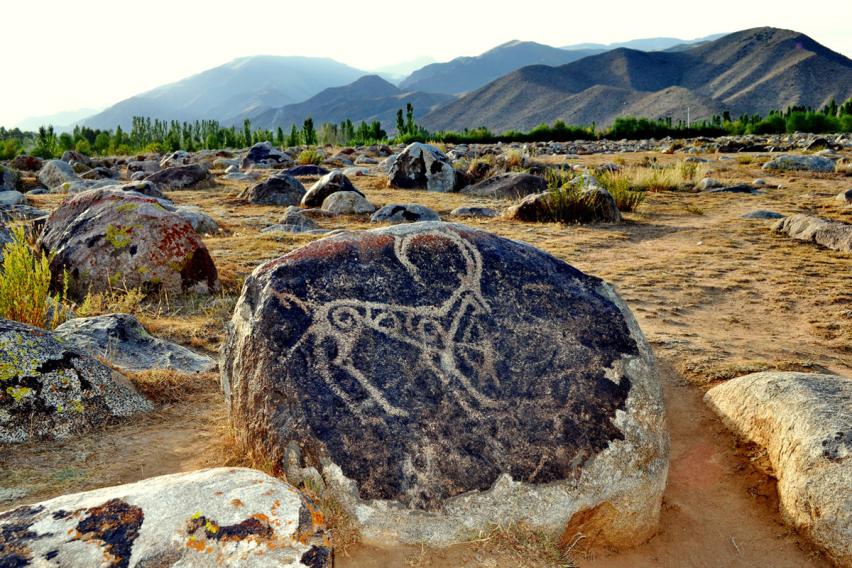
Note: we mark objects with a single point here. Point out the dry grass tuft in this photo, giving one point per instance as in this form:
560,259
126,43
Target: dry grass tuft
171,387
527,545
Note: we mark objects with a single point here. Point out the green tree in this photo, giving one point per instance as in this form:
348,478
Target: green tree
309,135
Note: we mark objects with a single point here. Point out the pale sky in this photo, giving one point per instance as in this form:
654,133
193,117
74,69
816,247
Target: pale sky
62,56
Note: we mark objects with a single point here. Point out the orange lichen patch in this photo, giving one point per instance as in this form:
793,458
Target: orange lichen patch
197,545
236,503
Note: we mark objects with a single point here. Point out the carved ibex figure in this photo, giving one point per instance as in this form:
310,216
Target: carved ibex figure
437,331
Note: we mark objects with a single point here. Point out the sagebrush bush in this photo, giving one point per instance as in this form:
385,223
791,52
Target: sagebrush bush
25,285
618,185
309,156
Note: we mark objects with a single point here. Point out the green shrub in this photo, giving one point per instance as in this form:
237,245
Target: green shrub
25,286
569,204
618,185
309,156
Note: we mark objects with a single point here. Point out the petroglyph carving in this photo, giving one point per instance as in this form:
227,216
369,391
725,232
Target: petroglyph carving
444,335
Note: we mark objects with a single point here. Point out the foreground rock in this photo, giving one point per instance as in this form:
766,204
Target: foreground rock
804,421
830,234
511,185
794,163
421,166
108,237
8,179
179,177
121,340
404,213
52,392
482,381
473,211
280,189
330,183
214,517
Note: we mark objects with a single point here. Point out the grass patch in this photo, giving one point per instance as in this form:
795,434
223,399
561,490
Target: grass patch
114,300
309,156
527,545
169,387
25,286
618,185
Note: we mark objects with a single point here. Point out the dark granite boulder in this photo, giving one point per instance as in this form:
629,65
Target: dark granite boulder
280,189
306,170
179,177
404,213
421,166
442,379
511,185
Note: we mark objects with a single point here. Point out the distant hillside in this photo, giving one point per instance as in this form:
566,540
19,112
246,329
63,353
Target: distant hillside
243,86
369,98
464,74
61,121
752,71
646,44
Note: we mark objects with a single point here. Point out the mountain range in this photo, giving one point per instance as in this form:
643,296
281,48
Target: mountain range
752,71
516,85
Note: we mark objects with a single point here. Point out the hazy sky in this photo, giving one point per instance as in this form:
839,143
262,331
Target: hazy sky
61,55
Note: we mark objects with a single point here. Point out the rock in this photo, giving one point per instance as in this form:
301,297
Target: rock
347,203
830,234
280,189
179,177
307,170
442,379
213,517
144,188
356,172
9,179
105,237
738,188
263,154
20,213
511,185
530,209
365,161
606,211
284,228
178,158
473,211
75,156
845,197
9,198
762,214
144,166
121,340
226,164
421,166
52,392
759,182
27,163
203,223
55,173
330,183
295,216
708,183
404,213
793,162
5,238
138,176
99,173
804,422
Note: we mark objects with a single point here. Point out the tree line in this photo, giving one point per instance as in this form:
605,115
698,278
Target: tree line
161,136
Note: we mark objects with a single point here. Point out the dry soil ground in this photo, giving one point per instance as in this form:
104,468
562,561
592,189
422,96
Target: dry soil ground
716,295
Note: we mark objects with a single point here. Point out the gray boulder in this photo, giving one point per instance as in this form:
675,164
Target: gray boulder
27,163
55,173
442,379
280,189
214,517
804,422
738,188
53,392
708,183
511,185
177,158
203,223
347,203
422,166
830,234
332,182
70,156
845,197
794,163
11,197
404,213
143,188
530,209
473,211
295,216
144,166
8,179
762,215
179,177
121,340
